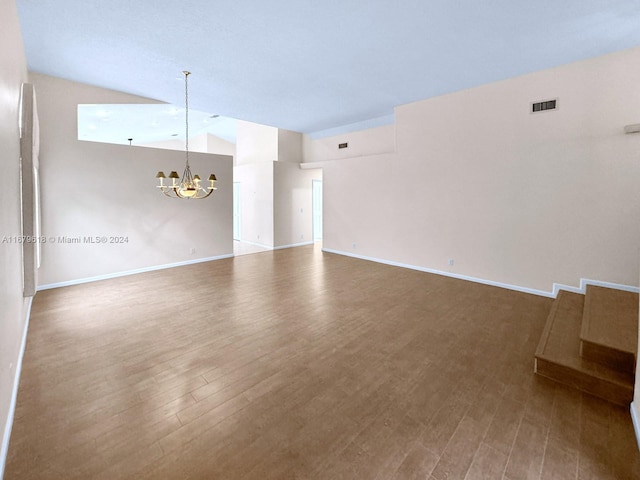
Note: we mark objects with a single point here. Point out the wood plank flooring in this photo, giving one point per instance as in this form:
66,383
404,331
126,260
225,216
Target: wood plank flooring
558,355
298,364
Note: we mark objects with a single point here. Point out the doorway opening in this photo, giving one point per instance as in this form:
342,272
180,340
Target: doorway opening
317,210
236,210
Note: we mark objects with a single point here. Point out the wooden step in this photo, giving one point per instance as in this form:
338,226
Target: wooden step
558,355
609,333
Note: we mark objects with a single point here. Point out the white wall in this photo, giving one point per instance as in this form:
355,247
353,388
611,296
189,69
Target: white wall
256,202
92,189
255,143
204,143
13,314
512,197
289,146
292,203
273,188
219,145
360,143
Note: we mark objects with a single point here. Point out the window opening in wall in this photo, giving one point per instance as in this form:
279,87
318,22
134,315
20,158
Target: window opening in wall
158,125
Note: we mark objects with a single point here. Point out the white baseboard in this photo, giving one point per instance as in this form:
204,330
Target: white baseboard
270,247
597,283
552,294
130,272
280,247
293,245
4,448
636,422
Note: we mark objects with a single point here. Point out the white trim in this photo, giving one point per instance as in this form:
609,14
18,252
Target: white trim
636,422
130,272
4,449
293,245
552,294
584,282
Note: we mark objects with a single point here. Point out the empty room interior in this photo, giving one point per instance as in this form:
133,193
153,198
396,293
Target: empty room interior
339,240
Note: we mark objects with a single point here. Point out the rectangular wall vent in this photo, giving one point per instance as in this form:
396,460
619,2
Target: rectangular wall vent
545,105
343,145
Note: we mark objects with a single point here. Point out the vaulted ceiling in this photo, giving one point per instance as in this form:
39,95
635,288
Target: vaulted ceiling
309,66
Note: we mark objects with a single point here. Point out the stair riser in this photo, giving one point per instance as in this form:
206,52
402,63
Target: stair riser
609,357
611,392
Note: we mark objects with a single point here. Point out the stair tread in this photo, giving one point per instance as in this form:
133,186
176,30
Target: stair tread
560,341
611,319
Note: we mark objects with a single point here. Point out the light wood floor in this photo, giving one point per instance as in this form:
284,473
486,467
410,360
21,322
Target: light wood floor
294,364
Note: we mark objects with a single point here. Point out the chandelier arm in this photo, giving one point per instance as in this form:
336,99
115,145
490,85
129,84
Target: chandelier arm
167,194
203,196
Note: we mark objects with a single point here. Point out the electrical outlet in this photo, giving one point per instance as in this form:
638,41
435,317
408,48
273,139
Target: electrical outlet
451,262
192,251
354,246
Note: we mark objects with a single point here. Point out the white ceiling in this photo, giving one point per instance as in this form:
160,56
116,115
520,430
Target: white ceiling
310,66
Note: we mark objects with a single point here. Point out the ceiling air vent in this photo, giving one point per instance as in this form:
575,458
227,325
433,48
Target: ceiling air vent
544,105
